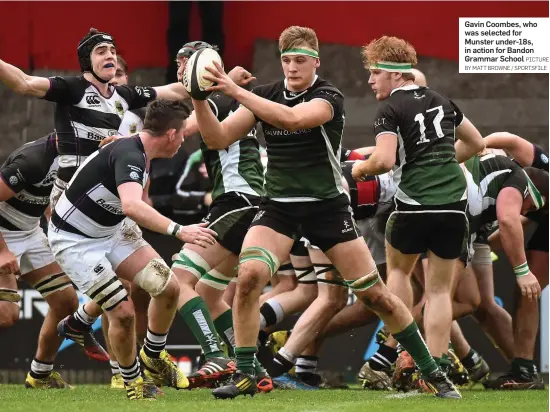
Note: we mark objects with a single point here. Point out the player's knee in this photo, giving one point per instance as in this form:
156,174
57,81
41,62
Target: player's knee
249,277
379,300
63,302
308,292
9,314
124,316
155,277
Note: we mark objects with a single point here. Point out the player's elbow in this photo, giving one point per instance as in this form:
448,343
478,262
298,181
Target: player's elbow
384,164
213,144
130,207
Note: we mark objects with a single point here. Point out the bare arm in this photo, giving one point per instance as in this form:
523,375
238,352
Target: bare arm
135,208
304,115
509,202
218,135
8,261
191,125
494,239
22,83
173,91
520,149
381,160
470,141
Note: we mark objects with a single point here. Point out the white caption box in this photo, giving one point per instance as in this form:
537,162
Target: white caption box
504,45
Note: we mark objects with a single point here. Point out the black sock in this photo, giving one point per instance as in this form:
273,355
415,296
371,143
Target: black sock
384,358
40,369
281,365
470,360
154,344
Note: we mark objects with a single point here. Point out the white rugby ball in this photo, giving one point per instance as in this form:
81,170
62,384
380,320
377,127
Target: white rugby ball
195,69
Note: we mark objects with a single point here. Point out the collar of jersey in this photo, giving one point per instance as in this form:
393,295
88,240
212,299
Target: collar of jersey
409,87
298,94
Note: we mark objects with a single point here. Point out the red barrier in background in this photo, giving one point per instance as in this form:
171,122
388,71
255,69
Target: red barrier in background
49,31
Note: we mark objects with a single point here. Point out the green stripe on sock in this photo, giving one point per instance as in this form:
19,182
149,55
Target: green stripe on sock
196,316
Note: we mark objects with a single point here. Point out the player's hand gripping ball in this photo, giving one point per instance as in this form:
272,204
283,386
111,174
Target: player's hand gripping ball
193,78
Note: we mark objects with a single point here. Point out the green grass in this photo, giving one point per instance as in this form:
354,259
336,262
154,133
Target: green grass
99,398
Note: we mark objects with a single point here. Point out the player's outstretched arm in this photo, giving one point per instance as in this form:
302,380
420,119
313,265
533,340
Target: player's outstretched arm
220,135
131,194
520,149
21,82
302,116
470,141
381,160
172,91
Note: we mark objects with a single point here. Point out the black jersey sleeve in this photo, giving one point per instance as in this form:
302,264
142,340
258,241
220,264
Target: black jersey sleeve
333,97
459,116
540,159
222,105
128,165
386,120
137,96
20,172
66,90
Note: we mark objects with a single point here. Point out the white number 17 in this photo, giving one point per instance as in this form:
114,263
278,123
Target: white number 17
436,122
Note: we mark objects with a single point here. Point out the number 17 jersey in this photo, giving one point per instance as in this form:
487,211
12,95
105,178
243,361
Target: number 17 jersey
424,121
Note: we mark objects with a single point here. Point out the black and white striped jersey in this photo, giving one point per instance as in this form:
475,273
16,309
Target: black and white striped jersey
91,206
30,172
84,117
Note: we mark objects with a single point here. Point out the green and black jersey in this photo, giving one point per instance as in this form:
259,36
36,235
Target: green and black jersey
237,168
487,176
424,121
304,165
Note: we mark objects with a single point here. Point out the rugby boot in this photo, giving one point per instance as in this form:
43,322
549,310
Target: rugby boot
86,339
52,381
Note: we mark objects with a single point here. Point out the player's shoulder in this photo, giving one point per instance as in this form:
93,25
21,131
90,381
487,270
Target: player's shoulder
324,86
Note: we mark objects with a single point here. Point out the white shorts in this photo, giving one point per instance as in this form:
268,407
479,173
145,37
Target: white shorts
30,247
88,261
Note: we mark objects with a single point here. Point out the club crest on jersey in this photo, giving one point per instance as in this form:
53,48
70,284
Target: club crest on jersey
544,158
134,175
133,128
119,108
14,180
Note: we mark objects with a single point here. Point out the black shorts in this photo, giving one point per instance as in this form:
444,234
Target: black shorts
230,216
416,229
299,248
324,223
539,240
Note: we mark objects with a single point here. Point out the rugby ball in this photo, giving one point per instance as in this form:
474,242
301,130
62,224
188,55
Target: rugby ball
195,70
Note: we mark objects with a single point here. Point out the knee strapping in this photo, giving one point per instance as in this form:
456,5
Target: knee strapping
9,295
364,282
261,254
216,280
306,275
154,277
108,292
192,262
52,283
321,271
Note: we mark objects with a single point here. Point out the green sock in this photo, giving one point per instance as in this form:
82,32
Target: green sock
245,359
196,316
437,361
413,343
224,327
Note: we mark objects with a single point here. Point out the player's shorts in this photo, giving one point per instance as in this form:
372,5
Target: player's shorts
230,216
442,229
324,223
539,240
88,261
299,247
30,247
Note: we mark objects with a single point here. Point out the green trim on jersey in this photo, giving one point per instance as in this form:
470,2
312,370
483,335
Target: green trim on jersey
235,169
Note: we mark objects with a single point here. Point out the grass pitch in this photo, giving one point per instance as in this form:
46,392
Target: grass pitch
100,398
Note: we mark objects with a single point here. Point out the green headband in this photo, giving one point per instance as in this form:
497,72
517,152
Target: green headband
392,67
302,52
535,194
